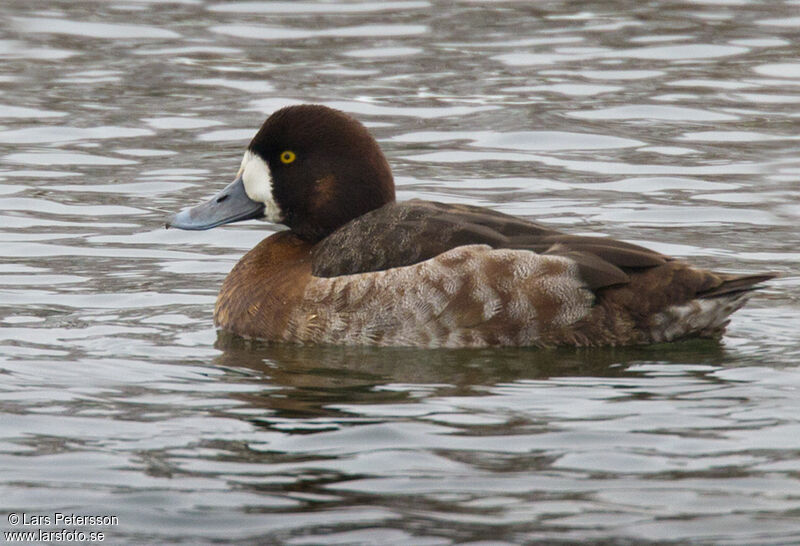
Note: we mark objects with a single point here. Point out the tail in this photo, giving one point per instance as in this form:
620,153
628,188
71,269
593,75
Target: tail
709,313
736,284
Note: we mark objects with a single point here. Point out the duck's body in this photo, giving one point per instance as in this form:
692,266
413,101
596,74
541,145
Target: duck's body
358,268
471,296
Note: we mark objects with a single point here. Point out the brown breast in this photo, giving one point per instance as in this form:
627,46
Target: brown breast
264,287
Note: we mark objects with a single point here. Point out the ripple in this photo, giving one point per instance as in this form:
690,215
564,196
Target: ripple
779,70
683,52
669,150
93,76
284,33
379,52
109,31
620,74
714,84
662,38
552,140
525,140
7,111
64,158
271,104
61,133
144,152
570,89
15,49
199,51
660,184
140,188
308,7
733,136
227,135
425,112
688,216
542,59
768,98
249,86
43,205
180,122
598,167
27,280
782,22
656,112
762,42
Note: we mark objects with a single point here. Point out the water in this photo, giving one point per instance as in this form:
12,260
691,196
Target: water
671,124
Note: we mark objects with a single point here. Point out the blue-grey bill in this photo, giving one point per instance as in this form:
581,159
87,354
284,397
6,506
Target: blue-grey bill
230,205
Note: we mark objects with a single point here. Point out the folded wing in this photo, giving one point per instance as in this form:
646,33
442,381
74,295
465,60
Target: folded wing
402,234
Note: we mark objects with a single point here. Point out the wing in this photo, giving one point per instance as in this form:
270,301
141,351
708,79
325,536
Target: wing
401,234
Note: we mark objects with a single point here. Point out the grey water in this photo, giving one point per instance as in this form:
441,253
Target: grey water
673,124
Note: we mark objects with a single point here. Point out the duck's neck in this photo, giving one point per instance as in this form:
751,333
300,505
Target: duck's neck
326,215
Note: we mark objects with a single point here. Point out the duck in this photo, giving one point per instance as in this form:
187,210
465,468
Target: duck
357,267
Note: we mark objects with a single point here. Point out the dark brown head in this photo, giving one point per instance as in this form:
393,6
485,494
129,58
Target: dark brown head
326,169
309,167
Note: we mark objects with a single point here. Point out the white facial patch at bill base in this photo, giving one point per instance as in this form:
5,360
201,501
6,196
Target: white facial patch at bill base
257,180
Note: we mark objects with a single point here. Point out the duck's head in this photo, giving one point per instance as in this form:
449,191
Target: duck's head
309,167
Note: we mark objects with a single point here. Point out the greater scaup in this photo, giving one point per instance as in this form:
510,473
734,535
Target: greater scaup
357,267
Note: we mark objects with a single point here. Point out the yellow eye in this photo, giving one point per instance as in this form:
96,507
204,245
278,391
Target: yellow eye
287,157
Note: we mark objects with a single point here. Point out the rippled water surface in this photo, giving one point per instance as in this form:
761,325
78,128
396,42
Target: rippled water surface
672,124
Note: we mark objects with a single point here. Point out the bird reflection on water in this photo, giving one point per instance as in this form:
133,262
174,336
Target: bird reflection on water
334,374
